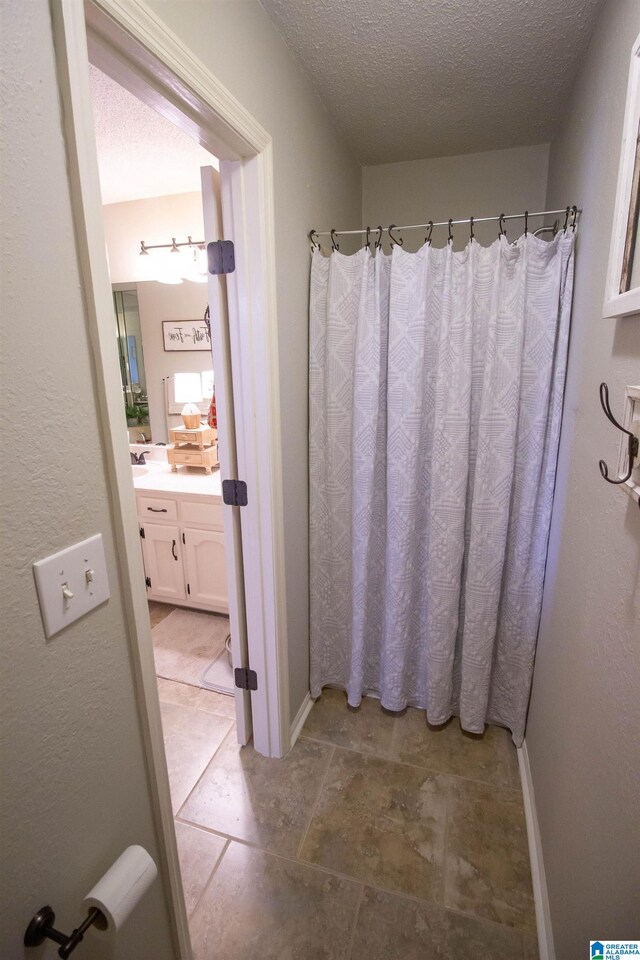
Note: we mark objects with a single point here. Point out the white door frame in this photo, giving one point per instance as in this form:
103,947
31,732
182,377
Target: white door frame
193,98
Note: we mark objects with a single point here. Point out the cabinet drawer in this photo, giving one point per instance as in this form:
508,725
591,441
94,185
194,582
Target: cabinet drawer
186,437
194,457
201,514
149,507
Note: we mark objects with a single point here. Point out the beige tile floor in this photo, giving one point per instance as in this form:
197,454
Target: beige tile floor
377,838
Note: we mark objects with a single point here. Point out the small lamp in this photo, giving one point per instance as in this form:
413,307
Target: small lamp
188,390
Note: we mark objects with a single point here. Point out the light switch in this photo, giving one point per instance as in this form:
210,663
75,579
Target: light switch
71,583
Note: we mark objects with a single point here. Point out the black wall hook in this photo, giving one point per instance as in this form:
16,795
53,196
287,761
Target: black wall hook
393,239
334,242
632,441
450,237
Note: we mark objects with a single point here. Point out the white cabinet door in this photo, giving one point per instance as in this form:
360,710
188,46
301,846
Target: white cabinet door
163,561
205,568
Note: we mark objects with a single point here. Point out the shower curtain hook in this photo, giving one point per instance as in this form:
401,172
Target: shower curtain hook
574,212
314,242
378,243
526,222
393,239
566,219
334,243
471,233
368,235
427,239
450,238
501,230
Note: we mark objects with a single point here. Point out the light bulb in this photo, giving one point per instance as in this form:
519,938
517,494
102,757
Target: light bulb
196,266
169,268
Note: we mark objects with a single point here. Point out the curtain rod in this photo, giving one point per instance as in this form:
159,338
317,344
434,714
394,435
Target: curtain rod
449,223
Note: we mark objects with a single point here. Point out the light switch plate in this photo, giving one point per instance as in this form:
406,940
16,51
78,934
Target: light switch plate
80,570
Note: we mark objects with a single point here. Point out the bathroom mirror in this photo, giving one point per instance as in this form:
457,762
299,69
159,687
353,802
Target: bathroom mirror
622,296
148,371
131,357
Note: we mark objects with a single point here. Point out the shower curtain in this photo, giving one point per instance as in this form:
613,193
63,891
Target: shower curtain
436,385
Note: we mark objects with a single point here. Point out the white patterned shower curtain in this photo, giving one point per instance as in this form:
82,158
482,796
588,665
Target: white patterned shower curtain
436,385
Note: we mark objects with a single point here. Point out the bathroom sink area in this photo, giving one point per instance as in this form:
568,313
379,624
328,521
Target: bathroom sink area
139,469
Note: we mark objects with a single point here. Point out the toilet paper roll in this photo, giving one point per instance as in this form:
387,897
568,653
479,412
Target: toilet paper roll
121,888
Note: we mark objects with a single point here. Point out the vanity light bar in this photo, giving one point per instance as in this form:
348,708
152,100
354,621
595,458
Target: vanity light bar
174,245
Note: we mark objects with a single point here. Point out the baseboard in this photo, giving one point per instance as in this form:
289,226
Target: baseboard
300,717
546,946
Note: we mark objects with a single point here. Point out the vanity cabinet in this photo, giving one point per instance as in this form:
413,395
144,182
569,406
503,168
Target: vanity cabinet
163,564
183,551
206,574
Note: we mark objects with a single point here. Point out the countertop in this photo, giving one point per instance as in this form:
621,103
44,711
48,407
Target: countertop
188,481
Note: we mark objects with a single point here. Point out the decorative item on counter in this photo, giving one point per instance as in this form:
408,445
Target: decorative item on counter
212,416
188,390
193,448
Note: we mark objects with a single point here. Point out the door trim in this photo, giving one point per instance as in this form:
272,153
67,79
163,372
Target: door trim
184,89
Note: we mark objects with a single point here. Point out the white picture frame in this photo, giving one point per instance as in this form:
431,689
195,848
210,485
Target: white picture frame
621,300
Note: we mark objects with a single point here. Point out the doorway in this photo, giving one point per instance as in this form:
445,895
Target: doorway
163,74
151,183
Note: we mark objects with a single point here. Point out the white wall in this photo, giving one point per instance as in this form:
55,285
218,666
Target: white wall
316,182
584,720
478,184
154,220
75,787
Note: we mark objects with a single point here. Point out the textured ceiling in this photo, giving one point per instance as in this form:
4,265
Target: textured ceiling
407,79
140,153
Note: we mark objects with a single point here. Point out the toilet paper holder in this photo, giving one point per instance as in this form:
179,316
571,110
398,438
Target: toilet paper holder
41,928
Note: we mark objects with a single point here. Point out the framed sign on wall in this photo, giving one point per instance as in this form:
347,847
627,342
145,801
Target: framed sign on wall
181,335
622,294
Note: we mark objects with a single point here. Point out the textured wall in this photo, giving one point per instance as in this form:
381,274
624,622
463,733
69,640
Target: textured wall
75,789
584,721
316,184
478,184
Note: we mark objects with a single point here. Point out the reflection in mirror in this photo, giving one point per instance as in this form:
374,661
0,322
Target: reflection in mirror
132,372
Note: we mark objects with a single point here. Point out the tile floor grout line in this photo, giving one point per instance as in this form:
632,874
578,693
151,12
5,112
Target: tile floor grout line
414,766
208,882
352,938
316,802
206,767
209,713
485,921
350,879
